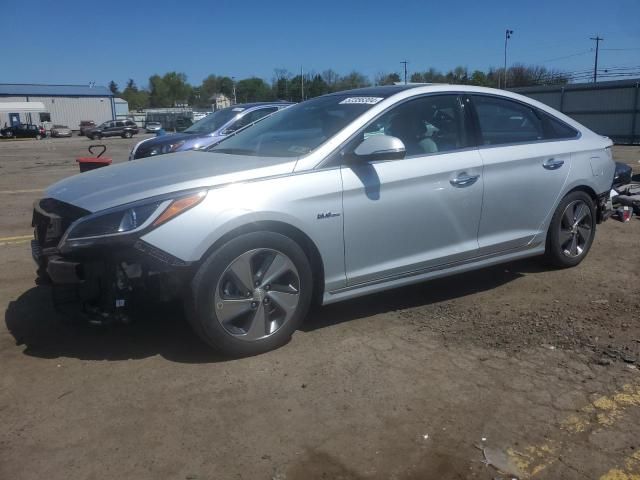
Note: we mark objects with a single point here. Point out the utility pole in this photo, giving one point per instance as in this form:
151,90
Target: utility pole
404,62
302,82
597,39
233,80
507,36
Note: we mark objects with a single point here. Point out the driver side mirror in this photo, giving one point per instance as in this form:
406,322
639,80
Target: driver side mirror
380,147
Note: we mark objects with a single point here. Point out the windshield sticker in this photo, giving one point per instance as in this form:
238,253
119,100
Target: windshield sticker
362,100
237,109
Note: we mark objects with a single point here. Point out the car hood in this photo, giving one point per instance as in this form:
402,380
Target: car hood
147,177
172,138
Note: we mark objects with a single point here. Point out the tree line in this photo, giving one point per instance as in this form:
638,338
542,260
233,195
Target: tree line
172,89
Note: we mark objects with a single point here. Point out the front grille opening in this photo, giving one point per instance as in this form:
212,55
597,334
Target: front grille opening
51,218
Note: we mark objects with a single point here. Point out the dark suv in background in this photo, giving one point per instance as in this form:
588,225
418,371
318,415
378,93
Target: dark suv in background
24,131
113,128
86,125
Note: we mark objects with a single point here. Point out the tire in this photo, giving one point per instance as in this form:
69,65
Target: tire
261,317
96,136
38,137
127,135
572,230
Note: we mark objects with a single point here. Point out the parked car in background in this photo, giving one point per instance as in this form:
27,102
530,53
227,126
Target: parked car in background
113,128
153,127
182,123
343,195
60,131
208,131
24,131
86,125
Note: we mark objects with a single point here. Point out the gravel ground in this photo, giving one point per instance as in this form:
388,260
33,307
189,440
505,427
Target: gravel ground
513,371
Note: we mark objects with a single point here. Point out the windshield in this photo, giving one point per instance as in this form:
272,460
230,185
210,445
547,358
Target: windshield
213,122
297,130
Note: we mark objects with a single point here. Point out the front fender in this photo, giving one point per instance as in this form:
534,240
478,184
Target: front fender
299,200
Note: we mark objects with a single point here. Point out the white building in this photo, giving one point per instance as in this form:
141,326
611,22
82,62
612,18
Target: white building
63,104
219,101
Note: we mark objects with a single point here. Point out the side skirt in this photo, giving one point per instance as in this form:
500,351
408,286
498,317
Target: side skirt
430,274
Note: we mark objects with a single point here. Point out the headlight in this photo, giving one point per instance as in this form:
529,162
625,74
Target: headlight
167,148
136,216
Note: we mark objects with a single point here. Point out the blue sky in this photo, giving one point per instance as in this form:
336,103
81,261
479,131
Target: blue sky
81,41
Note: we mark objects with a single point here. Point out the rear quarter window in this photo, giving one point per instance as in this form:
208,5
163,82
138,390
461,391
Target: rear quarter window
556,129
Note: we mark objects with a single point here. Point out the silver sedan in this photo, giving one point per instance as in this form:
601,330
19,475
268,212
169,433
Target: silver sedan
339,196
60,131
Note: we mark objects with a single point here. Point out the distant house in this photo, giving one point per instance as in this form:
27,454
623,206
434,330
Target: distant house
219,101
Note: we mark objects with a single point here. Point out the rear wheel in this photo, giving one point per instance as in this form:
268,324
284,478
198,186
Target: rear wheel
127,134
251,294
572,230
38,137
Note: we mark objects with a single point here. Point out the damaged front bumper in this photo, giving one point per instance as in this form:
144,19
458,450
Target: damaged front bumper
103,280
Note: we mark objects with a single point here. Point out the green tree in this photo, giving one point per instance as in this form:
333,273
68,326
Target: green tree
113,86
253,89
317,87
387,78
280,84
478,77
352,80
331,79
158,92
212,85
178,90
137,99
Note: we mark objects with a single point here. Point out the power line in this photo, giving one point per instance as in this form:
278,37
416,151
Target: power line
566,56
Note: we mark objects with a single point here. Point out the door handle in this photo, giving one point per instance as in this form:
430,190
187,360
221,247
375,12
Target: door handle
464,180
552,164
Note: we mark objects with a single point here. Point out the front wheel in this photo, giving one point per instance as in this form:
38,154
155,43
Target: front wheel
127,135
251,294
571,231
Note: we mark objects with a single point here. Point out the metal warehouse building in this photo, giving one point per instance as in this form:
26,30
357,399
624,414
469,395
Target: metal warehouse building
63,104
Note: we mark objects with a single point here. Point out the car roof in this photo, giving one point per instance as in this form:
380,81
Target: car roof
247,106
383,91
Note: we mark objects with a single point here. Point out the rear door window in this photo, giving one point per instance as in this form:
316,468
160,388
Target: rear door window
505,122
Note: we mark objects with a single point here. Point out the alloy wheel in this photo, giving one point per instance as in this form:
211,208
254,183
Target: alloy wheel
257,294
576,228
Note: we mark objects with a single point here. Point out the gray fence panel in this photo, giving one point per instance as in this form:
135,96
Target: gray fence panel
553,99
607,108
610,124
592,100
